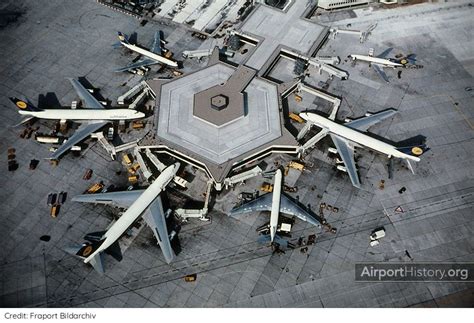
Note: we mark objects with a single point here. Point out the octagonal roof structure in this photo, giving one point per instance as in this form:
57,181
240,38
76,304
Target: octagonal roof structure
250,120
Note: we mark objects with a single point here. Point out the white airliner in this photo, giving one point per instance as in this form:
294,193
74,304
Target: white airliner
379,62
146,203
276,198
79,114
93,117
350,135
152,56
277,202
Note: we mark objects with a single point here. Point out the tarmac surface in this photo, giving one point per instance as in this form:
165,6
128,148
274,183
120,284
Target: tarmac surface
54,40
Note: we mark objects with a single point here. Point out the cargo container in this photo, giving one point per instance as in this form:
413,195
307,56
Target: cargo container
295,117
94,188
55,210
190,278
266,187
133,179
138,125
127,159
296,165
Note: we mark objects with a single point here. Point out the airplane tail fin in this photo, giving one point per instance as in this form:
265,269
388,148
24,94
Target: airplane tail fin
85,250
25,105
123,38
414,150
95,238
409,59
88,248
94,241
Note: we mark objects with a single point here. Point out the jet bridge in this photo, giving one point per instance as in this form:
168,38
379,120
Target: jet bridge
199,53
323,63
362,34
332,116
185,214
333,60
104,142
331,70
154,160
239,178
334,100
140,87
160,166
245,38
111,149
143,167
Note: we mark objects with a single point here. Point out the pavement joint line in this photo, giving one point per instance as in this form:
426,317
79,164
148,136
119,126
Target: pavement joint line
143,282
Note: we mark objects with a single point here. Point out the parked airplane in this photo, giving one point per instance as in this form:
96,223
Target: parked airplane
92,118
277,202
153,56
380,61
350,135
146,202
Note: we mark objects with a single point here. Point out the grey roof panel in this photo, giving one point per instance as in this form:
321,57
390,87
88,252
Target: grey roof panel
259,125
280,28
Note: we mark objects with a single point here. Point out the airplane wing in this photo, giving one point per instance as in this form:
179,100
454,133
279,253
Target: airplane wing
365,123
87,98
118,199
84,130
347,154
289,206
153,215
380,72
384,53
140,63
261,203
155,218
156,45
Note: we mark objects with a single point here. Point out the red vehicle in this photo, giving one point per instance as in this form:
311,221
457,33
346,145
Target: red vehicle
87,174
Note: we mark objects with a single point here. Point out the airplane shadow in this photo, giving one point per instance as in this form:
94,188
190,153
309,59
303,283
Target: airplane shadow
48,100
96,92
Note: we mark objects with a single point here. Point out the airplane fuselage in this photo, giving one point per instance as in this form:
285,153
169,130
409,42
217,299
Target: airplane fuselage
85,114
381,61
275,211
150,54
356,136
136,209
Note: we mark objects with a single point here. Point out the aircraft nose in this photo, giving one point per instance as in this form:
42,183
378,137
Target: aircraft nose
176,165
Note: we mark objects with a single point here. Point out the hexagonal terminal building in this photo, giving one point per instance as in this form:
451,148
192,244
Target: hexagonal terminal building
220,118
